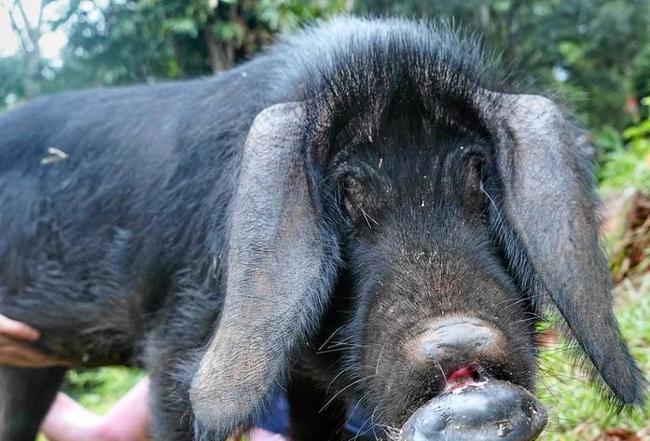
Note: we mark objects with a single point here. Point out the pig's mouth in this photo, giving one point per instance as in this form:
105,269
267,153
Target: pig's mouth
462,377
476,407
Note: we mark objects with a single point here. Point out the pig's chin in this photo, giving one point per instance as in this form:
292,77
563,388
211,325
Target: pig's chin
482,410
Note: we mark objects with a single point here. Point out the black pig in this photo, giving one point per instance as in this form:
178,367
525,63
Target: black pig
364,215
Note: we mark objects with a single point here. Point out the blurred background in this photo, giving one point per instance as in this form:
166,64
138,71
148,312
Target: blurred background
593,55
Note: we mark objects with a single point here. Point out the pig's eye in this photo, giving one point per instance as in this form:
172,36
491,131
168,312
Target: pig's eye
475,169
472,176
360,189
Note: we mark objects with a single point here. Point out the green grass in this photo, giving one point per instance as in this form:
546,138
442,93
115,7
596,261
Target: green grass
576,409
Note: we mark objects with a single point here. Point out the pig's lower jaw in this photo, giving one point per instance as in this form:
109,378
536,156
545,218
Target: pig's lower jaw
488,411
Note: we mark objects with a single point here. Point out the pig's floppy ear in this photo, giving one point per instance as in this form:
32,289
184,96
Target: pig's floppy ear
282,260
549,229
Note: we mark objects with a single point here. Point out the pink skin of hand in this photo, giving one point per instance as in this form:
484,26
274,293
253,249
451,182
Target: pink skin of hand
128,420
265,435
15,349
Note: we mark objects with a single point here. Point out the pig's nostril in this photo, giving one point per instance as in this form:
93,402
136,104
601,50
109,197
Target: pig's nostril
459,340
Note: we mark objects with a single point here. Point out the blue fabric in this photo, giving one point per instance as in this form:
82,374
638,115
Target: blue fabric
359,424
276,420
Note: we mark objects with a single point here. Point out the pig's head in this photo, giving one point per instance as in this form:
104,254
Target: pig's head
441,333
451,227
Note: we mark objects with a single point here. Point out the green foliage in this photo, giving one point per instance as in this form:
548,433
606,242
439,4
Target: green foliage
640,72
589,51
174,38
121,43
12,74
130,41
626,161
98,389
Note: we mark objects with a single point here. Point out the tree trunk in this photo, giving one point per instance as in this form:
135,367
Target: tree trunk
222,54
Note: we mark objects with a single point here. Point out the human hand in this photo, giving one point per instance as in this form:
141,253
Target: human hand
14,349
265,435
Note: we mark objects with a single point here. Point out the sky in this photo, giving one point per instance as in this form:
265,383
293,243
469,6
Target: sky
50,44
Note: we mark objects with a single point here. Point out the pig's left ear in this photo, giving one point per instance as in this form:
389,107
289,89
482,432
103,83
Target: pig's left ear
548,226
282,261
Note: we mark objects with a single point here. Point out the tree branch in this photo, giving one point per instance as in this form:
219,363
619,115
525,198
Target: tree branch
19,5
39,21
17,31
33,33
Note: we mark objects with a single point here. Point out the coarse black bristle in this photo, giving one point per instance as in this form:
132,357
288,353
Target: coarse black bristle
354,71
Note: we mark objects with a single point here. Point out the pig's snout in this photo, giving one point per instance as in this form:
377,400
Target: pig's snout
455,340
472,404
487,410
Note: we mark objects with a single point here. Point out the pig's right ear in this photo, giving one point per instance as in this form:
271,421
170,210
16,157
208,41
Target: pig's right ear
282,261
549,231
